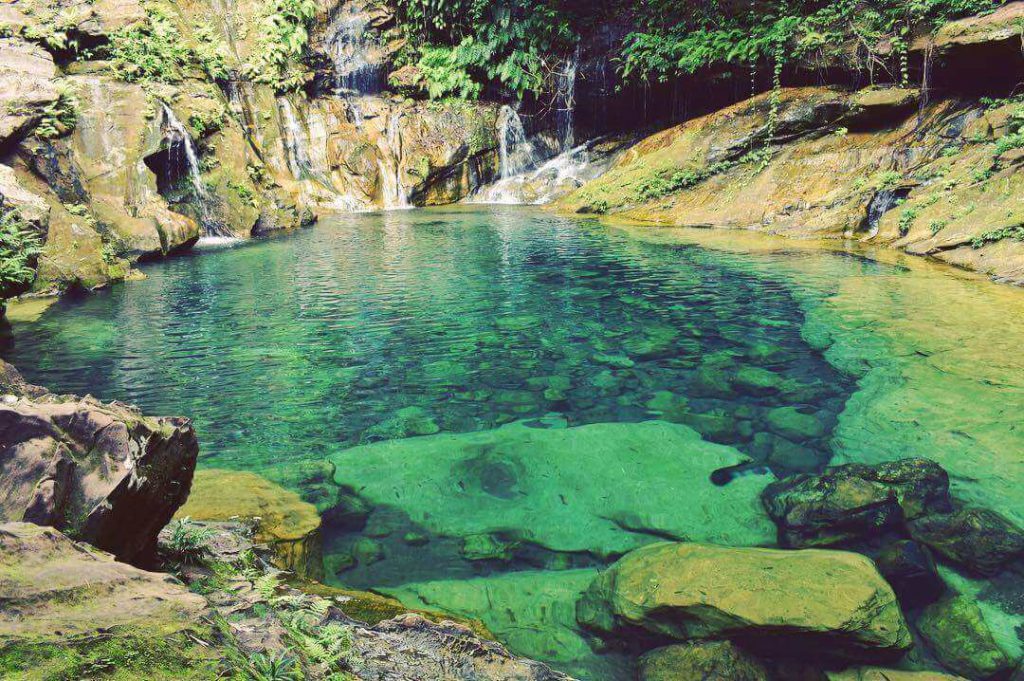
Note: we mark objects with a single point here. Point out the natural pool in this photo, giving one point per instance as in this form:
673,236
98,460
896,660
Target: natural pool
490,404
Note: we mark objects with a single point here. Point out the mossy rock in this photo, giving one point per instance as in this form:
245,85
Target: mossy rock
289,525
832,602
956,631
712,661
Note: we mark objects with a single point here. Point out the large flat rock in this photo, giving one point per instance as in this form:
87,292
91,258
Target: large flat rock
603,488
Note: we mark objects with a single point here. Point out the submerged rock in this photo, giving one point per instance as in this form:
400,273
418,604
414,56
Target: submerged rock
286,523
714,661
104,472
956,631
826,604
855,501
980,540
603,488
909,568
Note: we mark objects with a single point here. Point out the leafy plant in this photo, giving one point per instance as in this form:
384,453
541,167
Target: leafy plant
19,246
150,51
283,37
188,541
274,666
907,218
61,115
1015,232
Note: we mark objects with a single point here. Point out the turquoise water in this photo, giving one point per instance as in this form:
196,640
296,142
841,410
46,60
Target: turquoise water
369,328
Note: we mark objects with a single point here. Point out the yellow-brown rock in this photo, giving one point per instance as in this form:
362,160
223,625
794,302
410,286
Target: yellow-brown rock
289,525
833,602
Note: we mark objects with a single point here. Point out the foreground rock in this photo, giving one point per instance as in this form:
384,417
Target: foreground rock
42,573
286,523
855,501
825,604
880,674
103,472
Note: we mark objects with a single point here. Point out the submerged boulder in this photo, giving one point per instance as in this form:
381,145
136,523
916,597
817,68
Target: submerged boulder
980,540
957,633
103,472
880,674
855,501
604,488
286,523
712,661
827,604
908,566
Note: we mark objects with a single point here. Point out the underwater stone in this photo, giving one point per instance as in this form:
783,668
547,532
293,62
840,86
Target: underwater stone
658,342
487,547
980,540
407,422
756,381
956,631
793,425
854,501
832,602
367,551
792,456
614,361
711,382
908,566
603,488
712,661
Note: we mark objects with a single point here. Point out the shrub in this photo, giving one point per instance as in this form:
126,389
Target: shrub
19,246
188,542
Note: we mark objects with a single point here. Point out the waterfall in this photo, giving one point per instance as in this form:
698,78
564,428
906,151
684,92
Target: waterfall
293,141
515,151
393,194
881,203
553,178
180,138
566,101
353,50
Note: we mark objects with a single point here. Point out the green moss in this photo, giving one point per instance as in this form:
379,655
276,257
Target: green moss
116,657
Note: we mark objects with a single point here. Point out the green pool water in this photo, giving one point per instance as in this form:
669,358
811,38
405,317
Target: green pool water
489,405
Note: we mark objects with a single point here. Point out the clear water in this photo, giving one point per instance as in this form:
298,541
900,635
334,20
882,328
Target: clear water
388,326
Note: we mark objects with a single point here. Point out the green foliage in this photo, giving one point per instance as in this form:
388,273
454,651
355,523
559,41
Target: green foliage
282,38
151,51
937,226
188,541
678,38
61,116
463,44
887,179
907,218
1015,232
19,246
276,666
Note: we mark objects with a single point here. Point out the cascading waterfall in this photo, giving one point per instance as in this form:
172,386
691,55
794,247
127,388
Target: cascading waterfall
352,51
180,138
566,101
393,194
516,152
881,203
294,142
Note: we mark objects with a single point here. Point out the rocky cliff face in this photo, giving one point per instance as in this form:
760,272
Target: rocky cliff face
112,160
933,172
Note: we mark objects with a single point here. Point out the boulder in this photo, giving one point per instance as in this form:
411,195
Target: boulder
712,661
908,566
43,572
980,540
26,86
793,424
957,633
830,602
289,526
102,472
854,501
